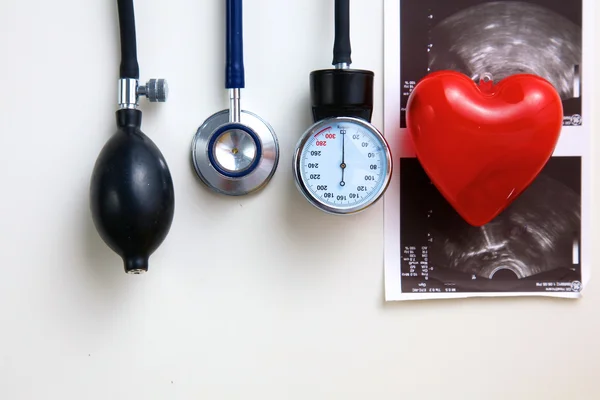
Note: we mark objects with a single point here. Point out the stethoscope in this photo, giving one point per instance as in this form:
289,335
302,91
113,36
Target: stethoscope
131,192
342,163
235,152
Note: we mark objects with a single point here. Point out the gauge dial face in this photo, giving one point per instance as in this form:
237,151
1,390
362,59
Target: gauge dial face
342,165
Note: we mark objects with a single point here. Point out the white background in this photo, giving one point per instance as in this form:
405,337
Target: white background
257,297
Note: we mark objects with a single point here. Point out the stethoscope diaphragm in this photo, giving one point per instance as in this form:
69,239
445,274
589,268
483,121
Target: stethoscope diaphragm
235,158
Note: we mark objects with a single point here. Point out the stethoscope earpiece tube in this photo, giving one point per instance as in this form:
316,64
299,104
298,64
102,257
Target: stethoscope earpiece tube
234,70
131,192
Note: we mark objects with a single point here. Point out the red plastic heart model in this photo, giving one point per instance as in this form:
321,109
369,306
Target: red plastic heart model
482,145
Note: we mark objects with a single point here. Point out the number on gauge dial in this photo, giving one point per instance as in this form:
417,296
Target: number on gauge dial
343,165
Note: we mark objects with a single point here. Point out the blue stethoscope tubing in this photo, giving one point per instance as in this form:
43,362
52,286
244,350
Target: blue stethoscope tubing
235,123
234,70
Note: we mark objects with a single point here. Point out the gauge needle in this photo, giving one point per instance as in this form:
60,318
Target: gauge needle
343,164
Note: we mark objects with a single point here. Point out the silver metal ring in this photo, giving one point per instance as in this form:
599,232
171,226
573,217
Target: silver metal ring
221,181
296,165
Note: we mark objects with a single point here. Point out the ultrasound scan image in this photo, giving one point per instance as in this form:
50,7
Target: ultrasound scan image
533,246
501,38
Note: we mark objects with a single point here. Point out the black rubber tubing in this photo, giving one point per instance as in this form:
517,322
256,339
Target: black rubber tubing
129,62
341,45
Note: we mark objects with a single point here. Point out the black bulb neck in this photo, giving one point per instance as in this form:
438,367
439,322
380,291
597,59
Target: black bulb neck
129,118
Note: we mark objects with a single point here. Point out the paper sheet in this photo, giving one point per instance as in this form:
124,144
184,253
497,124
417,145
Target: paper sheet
540,245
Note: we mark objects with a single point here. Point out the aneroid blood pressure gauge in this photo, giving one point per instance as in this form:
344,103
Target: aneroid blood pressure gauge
342,163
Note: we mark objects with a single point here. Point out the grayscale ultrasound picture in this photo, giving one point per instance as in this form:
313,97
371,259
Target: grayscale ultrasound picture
533,246
502,38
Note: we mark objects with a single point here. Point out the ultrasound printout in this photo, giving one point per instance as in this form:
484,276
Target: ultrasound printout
501,38
532,246
541,244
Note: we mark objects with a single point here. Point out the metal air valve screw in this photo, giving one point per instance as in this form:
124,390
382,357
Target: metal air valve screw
156,90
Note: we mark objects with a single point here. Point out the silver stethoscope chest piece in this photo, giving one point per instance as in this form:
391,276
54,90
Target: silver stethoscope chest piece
235,152
235,158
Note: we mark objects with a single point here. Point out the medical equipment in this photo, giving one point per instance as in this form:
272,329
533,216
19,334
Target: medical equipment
235,152
342,163
131,192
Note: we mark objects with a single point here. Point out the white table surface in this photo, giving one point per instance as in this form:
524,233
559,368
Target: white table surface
260,297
